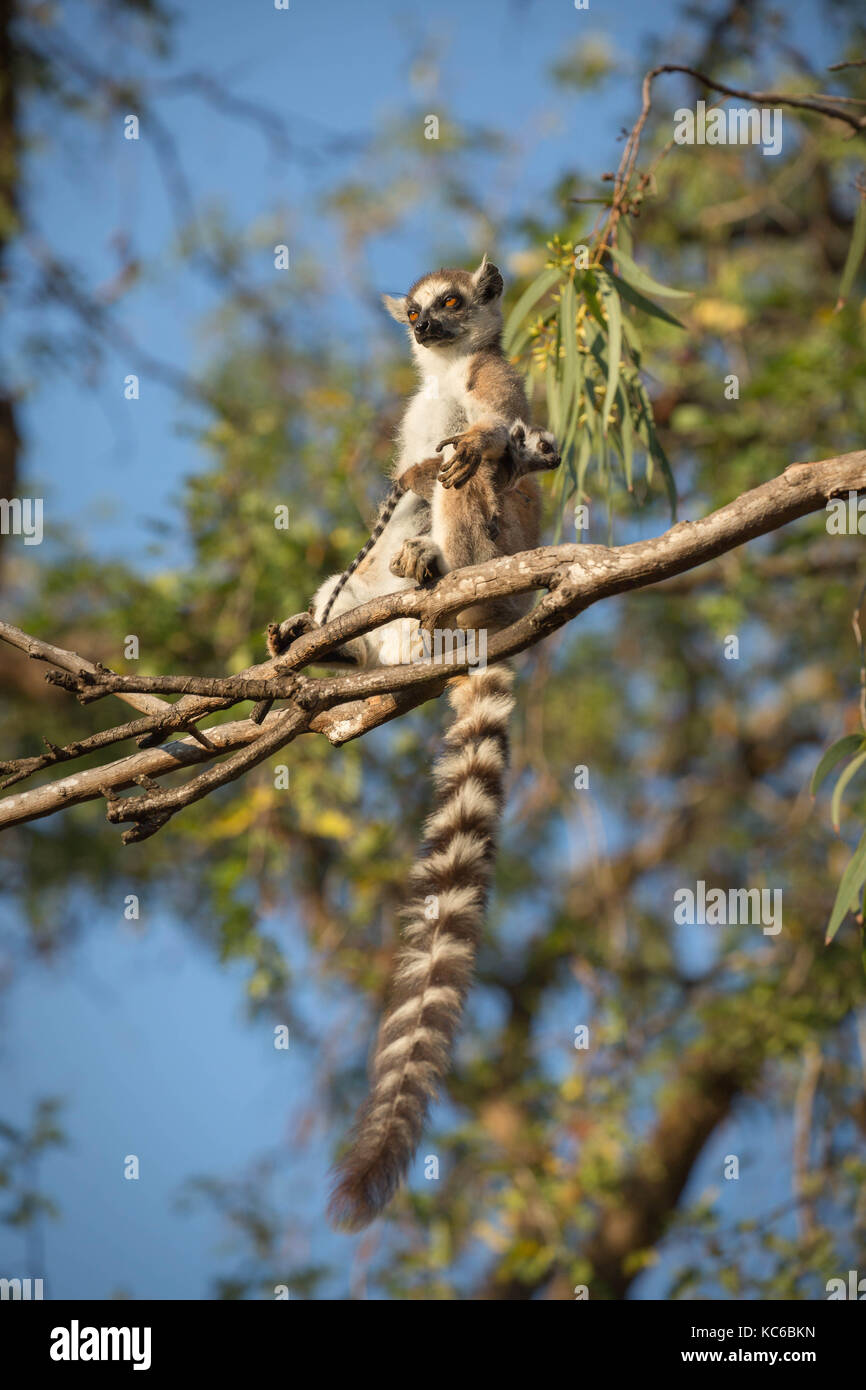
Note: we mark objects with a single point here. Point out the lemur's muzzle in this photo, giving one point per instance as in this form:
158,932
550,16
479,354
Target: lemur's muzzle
430,331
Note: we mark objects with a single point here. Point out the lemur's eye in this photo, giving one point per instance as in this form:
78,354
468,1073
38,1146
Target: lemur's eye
545,448
452,301
412,315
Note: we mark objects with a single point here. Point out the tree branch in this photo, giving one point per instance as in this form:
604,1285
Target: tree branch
344,707
821,103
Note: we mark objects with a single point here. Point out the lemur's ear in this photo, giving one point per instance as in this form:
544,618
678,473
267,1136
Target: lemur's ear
517,434
396,306
487,281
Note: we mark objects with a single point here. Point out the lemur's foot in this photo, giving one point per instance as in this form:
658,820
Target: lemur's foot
471,448
280,636
417,559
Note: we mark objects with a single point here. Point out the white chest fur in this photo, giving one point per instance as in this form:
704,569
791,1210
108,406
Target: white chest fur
437,409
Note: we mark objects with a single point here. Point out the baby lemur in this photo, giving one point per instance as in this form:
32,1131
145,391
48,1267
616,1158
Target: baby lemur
467,407
528,451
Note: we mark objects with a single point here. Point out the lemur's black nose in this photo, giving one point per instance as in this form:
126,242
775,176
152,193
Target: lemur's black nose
422,325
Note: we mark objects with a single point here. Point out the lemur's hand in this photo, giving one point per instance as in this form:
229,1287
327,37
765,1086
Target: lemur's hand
471,448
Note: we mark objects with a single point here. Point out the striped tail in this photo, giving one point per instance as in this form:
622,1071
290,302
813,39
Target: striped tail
386,511
449,884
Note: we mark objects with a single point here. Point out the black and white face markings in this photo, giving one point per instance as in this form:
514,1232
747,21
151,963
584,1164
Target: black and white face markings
440,318
446,306
532,450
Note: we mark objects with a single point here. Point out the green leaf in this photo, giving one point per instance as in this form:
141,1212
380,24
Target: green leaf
583,458
567,331
531,295
640,301
855,252
836,803
610,299
551,388
661,458
566,473
590,294
656,454
852,881
842,748
632,338
640,280
595,357
644,417
627,431
570,431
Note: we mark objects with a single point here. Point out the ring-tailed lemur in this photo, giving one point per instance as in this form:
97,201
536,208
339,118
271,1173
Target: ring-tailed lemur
469,398
529,450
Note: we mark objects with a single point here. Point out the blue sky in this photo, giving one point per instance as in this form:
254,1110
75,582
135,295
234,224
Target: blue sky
142,1031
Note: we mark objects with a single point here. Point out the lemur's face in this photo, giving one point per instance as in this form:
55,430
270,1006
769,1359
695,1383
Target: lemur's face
438,310
451,306
536,449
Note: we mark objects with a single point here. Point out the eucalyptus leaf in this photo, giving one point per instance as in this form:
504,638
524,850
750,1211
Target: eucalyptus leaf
567,330
640,280
627,432
661,459
632,338
583,457
842,748
640,301
590,294
611,302
852,881
531,295
839,790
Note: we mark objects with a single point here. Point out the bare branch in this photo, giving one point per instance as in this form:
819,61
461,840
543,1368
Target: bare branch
154,807
38,650
825,105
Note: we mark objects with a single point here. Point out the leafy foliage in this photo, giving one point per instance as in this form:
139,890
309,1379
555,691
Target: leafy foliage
586,353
